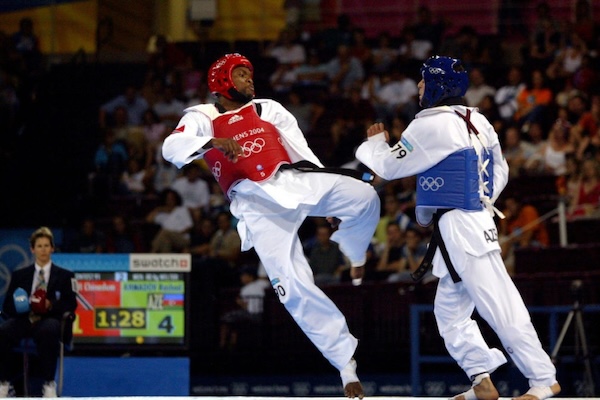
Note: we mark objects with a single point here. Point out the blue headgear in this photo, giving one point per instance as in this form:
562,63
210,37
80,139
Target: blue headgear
442,80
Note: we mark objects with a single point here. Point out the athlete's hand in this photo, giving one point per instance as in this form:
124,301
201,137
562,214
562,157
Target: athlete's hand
229,147
377,128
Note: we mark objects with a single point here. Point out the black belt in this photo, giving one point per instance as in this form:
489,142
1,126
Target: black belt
307,166
436,241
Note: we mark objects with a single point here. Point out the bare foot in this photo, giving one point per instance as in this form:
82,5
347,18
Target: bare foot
540,393
354,389
485,390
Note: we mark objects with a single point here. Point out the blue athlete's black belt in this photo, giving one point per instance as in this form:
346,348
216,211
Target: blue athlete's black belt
436,241
307,166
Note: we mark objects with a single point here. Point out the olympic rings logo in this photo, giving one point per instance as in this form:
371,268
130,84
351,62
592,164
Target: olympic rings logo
435,70
252,147
431,183
216,170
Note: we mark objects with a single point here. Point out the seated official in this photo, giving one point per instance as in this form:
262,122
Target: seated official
35,302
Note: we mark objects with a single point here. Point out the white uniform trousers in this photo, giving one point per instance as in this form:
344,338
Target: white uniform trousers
487,287
273,230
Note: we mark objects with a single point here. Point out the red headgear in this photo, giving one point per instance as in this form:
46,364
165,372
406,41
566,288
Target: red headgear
220,80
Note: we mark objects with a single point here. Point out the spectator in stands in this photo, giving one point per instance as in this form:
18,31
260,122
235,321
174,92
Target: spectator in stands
384,55
535,136
163,173
119,123
89,239
329,40
313,73
250,307
225,243
155,131
584,199
283,79
218,200
175,223
120,237
413,252
577,106
200,237
201,96
516,151
586,77
135,180
412,49
344,71
152,89
164,51
586,132
521,228
568,58
286,50
325,258
194,190
390,260
478,88
53,288
545,38
360,48
397,96
134,104
506,95
169,109
551,156
9,104
584,25
426,29
296,103
533,101
110,161
463,44
391,213
27,45
488,108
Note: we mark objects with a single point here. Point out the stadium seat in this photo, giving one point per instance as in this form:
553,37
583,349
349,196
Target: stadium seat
27,348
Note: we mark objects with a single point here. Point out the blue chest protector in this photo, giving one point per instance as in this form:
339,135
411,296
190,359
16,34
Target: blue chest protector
454,182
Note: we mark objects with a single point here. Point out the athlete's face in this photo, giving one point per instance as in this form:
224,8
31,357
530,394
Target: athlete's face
243,82
421,86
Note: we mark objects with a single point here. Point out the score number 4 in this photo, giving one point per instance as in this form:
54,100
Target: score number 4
127,318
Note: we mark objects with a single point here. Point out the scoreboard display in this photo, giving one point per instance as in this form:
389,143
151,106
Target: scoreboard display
135,300
130,308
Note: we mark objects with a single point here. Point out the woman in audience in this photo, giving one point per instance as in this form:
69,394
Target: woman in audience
585,198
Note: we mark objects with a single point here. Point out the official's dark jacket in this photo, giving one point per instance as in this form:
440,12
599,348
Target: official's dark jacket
60,291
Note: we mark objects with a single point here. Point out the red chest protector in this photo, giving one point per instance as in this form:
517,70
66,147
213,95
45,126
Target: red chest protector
263,150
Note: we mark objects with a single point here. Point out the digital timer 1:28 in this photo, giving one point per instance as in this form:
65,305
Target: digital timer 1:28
120,318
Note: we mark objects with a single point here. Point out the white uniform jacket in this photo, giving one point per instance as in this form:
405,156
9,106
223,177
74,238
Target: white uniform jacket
195,129
432,136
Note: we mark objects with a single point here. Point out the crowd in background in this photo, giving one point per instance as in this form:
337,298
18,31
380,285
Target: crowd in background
544,103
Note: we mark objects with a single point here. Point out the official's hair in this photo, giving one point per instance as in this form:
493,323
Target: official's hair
42,232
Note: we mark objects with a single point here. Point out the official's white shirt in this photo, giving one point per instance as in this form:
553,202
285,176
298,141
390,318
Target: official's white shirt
36,278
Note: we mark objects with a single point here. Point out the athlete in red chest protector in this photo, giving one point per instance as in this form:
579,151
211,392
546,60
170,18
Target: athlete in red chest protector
248,144
262,149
